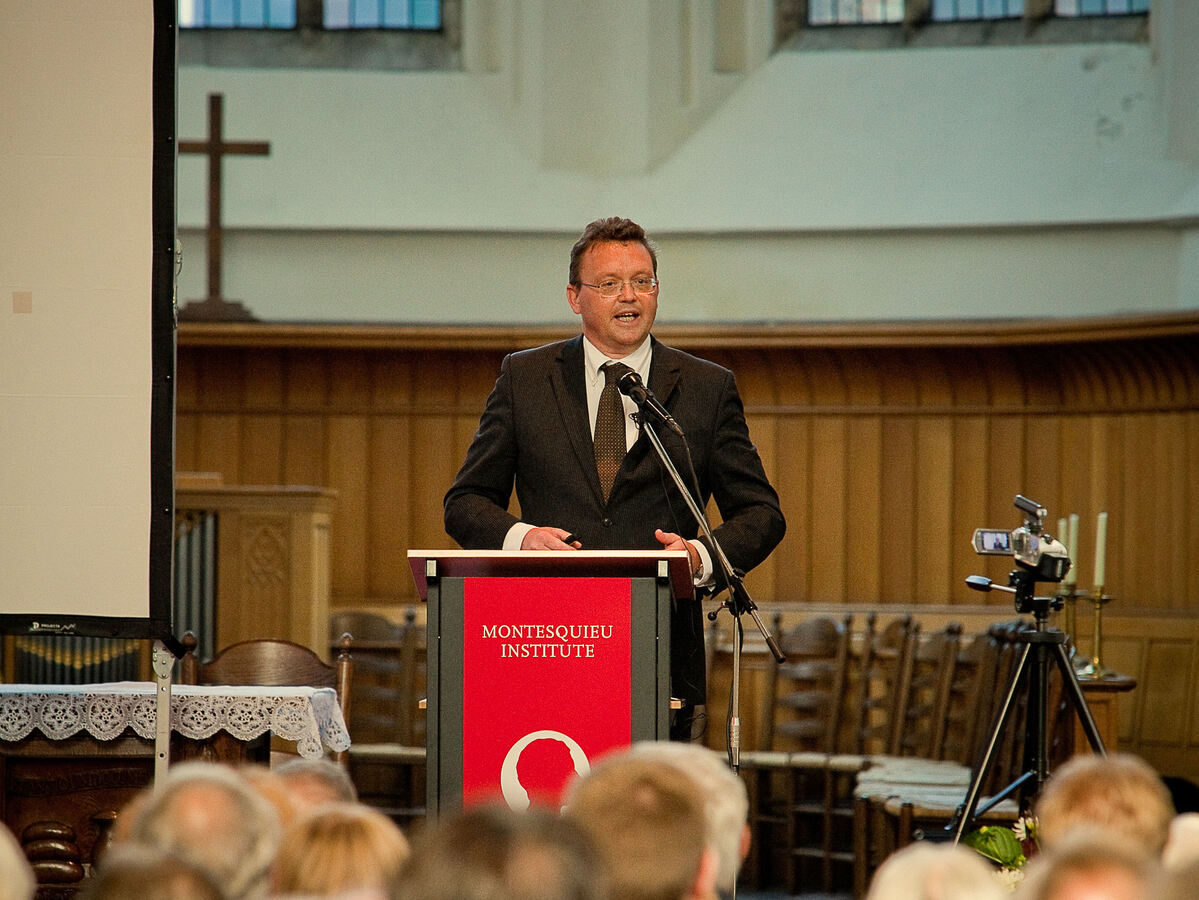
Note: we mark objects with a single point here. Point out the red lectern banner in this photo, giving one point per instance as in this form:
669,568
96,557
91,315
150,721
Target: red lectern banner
547,683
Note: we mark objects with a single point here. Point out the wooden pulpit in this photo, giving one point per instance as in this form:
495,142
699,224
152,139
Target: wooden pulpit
539,662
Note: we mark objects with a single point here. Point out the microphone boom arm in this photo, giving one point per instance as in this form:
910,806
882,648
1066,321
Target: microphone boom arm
740,600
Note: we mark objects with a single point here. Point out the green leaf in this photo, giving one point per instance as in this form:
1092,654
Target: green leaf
998,844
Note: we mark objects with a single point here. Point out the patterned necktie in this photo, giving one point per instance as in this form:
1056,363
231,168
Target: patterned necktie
610,444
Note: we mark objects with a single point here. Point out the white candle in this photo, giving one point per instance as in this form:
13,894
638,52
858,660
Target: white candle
1072,549
1062,534
1101,550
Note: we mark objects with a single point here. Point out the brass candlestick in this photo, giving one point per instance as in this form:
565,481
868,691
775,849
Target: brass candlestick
1069,595
1095,667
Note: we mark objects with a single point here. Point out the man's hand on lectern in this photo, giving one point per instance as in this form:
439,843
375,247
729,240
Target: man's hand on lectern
672,541
549,538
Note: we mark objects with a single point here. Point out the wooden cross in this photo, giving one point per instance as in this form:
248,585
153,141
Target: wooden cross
214,306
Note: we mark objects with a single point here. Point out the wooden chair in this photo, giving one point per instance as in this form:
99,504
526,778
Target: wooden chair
926,710
271,661
387,760
791,780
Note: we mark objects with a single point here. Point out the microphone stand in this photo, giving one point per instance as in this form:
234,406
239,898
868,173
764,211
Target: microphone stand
737,603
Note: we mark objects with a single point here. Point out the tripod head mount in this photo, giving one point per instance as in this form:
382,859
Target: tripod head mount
1022,583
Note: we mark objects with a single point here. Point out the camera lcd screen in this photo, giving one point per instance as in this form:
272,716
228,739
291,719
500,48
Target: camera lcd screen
993,541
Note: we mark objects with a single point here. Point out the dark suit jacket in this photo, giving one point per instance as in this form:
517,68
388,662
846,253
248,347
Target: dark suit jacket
535,435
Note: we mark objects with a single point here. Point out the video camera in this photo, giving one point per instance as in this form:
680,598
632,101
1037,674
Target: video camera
1040,553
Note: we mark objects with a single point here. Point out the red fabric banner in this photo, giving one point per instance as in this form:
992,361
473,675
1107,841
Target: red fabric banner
546,683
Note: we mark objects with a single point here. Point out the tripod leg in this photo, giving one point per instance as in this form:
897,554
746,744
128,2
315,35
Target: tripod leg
965,812
1036,750
1070,680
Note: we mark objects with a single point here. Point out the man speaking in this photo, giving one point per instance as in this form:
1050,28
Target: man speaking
557,427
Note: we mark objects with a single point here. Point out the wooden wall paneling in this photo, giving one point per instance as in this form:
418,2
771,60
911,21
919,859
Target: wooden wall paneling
304,442
900,381
350,384
969,491
347,470
435,464
1007,471
186,442
1172,496
1126,656
793,483
898,510
828,509
1145,522
218,445
263,374
868,533
1109,467
933,502
220,385
262,448
390,383
389,526
1165,720
307,385
1049,465
1190,482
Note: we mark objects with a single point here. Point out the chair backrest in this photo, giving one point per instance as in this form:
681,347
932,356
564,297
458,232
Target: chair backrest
272,662
880,670
389,676
925,720
802,706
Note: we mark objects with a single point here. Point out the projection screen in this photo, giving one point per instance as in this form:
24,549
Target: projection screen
87,210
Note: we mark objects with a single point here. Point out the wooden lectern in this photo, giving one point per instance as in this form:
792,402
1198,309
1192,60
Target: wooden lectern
539,662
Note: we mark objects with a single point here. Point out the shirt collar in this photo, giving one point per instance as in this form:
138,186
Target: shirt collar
638,360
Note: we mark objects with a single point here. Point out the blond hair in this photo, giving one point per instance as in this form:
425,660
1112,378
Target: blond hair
1120,794
339,847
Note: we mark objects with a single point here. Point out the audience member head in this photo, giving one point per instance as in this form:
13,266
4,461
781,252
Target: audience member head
726,803
1120,794
493,853
270,787
134,870
925,871
207,814
1090,865
16,875
336,848
1182,844
647,820
311,782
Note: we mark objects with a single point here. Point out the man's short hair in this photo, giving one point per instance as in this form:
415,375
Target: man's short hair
1088,859
610,230
924,871
1120,793
317,781
206,814
726,802
134,870
494,853
647,820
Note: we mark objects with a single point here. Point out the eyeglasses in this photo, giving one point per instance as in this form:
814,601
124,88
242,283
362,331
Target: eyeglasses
613,287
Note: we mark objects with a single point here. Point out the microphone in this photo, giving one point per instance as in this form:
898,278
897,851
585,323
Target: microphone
631,385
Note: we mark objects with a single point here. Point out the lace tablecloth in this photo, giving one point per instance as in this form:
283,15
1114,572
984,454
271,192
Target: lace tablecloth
309,716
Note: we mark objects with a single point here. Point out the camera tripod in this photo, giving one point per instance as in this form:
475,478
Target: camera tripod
1041,645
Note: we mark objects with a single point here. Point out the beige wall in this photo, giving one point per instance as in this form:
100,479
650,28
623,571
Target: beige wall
786,186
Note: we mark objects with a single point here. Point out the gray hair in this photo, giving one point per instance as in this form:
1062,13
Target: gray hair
206,814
